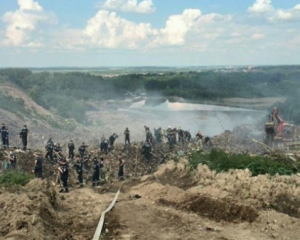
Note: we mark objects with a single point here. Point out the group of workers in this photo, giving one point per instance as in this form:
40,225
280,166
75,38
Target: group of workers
5,136
54,153
78,163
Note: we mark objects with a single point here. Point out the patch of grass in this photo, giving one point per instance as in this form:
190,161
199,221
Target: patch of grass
221,161
15,178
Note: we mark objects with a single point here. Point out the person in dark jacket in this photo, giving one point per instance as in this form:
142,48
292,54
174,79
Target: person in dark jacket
158,135
112,139
127,136
104,146
71,148
79,169
64,174
121,169
82,149
181,135
4,135
38,166
147,150
96,172
49,150
187,136
24,135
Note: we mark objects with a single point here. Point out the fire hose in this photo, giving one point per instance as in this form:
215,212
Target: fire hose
101,221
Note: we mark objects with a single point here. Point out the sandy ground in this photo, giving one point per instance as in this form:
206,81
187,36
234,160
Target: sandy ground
173,203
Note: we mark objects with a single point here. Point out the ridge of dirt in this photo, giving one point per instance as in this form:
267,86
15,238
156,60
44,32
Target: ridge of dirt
29,103
40,212
216,209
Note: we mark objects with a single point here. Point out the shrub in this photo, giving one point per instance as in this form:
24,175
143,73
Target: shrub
15,178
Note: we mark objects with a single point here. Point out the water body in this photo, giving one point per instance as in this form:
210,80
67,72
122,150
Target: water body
210,119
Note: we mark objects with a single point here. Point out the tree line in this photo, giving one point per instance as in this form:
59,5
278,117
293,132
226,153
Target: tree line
68,94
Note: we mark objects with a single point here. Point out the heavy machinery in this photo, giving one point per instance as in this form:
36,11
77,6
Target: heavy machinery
285,133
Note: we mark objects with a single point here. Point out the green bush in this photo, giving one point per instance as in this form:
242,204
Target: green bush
15,178
221,161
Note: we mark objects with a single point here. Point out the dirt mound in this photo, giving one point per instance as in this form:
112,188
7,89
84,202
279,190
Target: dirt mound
215,209
38,211
204,204
22,212
287,204
232,196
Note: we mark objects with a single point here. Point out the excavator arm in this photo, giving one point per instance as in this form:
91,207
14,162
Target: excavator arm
279,120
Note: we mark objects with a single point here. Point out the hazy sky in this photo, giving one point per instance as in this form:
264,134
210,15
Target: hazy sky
40,33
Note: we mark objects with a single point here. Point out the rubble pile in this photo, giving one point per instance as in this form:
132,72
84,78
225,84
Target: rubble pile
239,140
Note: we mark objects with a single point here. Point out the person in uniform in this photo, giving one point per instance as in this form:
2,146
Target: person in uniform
187,136
64,174
104,146
96,173
121,169
79,169
4,135
71,148
112,139
147,150
38,166
49,150
181,135
127,136
82,149
24,135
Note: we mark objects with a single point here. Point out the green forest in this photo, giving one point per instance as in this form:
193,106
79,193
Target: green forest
68,93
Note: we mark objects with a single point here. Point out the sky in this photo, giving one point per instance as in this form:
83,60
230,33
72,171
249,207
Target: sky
91,33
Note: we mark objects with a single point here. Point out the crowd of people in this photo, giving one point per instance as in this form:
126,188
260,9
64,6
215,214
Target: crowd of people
54,152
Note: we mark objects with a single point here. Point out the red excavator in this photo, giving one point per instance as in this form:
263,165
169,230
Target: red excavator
286,132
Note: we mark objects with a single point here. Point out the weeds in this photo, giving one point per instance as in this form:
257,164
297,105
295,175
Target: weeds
221,161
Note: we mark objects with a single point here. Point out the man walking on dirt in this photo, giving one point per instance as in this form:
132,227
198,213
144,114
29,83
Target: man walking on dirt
96,172
4,135
79,169
64,174
23,135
